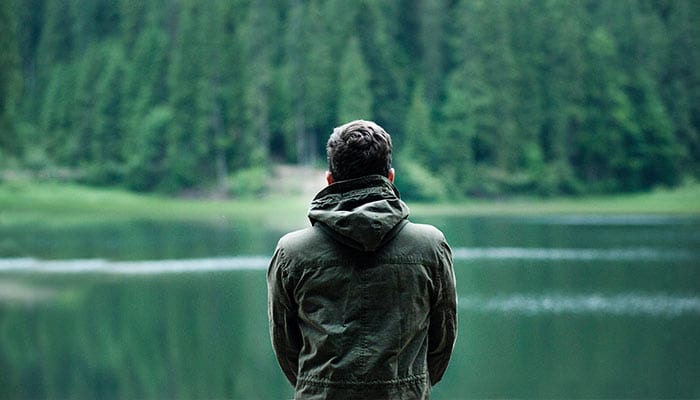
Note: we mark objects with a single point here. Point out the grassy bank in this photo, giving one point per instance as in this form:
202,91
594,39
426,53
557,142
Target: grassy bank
681,201
32,202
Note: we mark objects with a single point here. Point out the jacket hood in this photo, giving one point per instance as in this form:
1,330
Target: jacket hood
363,213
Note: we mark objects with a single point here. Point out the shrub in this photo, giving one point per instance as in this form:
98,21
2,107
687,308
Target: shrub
417,183
248,182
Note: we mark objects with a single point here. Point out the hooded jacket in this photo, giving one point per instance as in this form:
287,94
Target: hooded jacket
362,304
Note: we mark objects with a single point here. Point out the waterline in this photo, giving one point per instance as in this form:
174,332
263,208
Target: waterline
613,254
629,304
134,267
612,220
261,262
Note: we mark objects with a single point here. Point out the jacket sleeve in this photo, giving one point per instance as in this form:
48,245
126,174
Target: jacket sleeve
443,318
282,316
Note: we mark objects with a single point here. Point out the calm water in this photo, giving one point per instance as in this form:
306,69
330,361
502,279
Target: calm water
562,306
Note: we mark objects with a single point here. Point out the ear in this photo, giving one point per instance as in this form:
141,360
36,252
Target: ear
391,175
329,177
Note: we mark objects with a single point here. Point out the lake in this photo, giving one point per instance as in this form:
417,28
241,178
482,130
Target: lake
565,306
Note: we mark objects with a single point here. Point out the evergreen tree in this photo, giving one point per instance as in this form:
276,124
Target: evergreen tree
295,79
145,165
479,104
213,99
183,154
609,118
320,82
560,76
654,157
54,81
30,18
92,20
457,130
432,17
145,89
355,98
134,19
10,80
56,42
57,116
81,142
257,35
386,64
679,83
232,86
106,146
497,132
419,142
497,96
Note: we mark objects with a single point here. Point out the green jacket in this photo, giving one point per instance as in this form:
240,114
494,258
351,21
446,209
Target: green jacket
362,304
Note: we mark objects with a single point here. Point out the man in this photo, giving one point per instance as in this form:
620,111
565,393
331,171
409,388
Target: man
362,304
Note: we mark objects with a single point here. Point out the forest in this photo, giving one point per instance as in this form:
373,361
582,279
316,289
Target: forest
482,98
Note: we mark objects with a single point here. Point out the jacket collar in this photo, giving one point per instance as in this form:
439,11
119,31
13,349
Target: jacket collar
363,213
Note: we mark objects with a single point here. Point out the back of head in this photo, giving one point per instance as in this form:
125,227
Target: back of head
358,148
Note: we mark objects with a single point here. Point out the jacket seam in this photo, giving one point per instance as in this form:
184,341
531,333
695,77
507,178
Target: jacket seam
407,261
327,382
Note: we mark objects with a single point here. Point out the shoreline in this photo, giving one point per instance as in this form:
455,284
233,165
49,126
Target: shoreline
51,202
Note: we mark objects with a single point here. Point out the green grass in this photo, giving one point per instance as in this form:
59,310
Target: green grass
682,201
58,203
31,202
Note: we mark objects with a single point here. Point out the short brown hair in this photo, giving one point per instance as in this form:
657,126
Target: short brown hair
358,148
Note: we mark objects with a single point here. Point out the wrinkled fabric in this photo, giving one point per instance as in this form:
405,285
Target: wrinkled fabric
362,304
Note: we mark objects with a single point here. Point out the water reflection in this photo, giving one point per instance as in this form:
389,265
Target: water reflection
612,220
542,254
134,267
564,307
628,304
260,262
101,336
138,240
18,292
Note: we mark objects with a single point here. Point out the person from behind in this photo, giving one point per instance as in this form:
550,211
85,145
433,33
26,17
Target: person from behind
362,304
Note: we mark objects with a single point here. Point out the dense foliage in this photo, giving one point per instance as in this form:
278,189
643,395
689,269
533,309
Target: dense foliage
492,97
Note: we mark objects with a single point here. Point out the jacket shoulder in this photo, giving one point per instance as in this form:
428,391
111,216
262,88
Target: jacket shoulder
422,233
299,241
421,241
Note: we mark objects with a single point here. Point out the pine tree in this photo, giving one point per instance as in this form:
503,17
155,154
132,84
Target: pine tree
608,117
57,117
478,114
145,165
679,83
456,131
432,17
295,79
185,75
30,18
551,96
106,146
355,97
57,41
386,64
420,143
90,74
144,91
257,36
654,157
560,76
10,80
